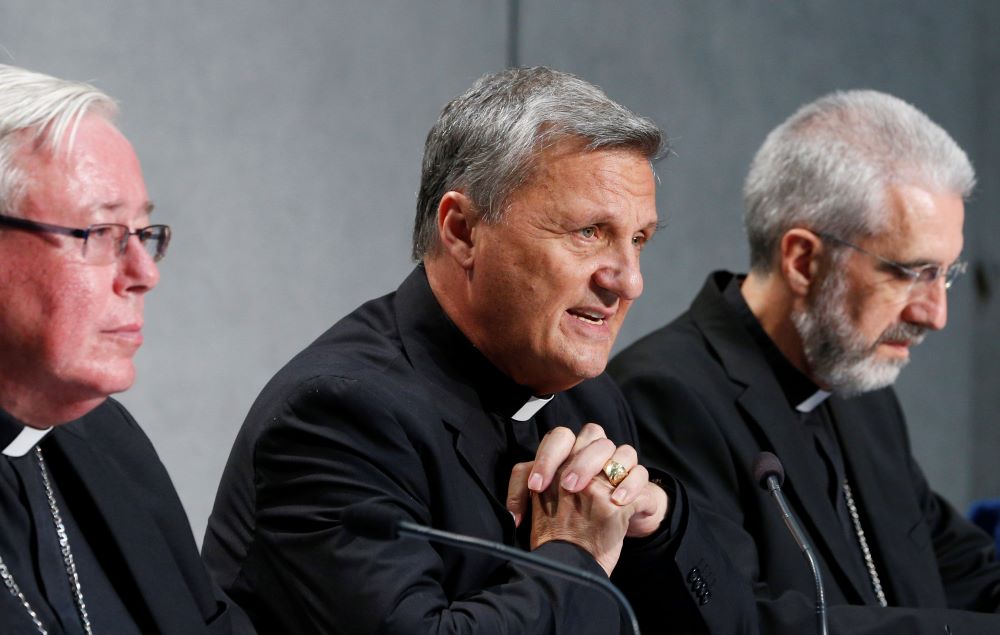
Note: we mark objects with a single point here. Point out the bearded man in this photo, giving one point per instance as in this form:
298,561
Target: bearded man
854,212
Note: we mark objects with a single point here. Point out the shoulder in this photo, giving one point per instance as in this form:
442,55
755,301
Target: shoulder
692,344
365,339
110,436
361,353
879,406
678,350
111,426
354,384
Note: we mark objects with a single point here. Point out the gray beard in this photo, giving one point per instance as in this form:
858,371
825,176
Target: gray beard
837,354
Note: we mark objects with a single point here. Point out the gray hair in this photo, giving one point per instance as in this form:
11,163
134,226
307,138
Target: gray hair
487,141
44,111
827,168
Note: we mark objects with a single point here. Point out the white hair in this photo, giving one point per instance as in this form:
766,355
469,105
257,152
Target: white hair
43,111
828,167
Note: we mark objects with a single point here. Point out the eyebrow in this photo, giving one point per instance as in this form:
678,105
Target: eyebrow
920,264
147,208
923,262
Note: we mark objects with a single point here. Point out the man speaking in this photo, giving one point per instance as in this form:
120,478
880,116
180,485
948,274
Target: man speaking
462,401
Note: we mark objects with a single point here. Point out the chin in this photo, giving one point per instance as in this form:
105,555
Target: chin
119,380
589,368
559,381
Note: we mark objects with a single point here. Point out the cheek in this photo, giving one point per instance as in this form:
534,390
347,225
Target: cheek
875,320
76,309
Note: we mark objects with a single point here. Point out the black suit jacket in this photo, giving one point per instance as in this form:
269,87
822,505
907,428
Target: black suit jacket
120,489
394,404
707,402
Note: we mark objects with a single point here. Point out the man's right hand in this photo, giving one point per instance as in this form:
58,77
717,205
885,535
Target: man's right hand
573,501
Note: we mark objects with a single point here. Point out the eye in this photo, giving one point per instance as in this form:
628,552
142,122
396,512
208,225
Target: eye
928,274
101,231
901,273
639,240
589,232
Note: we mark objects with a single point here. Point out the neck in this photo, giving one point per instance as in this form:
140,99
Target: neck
773,303
37,410
450,286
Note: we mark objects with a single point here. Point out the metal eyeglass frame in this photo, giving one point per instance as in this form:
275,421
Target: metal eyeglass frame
926,274
143,233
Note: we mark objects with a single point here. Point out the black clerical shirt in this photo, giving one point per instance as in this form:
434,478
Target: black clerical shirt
29,544
520,418
818,430
514,437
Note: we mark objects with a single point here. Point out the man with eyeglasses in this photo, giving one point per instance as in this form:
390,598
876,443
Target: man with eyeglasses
854,213
93,538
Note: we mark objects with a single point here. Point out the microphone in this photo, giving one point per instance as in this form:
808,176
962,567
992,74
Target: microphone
380,522
769,474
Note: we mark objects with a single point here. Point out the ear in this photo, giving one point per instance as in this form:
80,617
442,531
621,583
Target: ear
800,259
456,220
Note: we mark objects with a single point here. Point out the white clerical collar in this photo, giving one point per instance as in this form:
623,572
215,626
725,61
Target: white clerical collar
25,441
812,402
531,408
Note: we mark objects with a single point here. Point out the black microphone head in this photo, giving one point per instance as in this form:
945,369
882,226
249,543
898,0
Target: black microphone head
765,466
372,520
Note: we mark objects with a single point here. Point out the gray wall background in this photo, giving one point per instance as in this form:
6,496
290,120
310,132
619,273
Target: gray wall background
282,141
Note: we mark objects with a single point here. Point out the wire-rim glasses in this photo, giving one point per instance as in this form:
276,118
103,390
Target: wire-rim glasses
924,275
103,243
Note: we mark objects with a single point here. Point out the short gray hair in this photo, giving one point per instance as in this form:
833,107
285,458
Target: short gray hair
827,168
487,141
44,111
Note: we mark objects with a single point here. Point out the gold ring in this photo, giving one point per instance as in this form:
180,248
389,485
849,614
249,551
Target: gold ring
615,472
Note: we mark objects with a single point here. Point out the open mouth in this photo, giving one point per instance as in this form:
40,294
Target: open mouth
588,317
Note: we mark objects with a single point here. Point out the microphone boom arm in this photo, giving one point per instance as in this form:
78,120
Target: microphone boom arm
774,488
526,558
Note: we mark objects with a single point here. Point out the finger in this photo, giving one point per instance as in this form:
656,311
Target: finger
651,506
589,463
575,480
633,485
589,433
554,448
518,497
586,463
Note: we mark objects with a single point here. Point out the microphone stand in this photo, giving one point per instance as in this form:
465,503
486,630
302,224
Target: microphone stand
526,558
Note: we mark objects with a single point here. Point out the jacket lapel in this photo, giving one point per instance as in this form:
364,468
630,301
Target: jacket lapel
423,331
142,546
479,458
875,490
764,403
805,491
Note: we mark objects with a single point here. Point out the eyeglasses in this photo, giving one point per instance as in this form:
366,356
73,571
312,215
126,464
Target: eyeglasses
102,243
924,276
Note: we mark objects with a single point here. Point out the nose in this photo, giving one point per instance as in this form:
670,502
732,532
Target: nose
137,272
621,273
929,307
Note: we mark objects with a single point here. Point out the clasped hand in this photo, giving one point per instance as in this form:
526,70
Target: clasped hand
572,500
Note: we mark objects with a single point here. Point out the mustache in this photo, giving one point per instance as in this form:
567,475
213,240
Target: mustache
900,332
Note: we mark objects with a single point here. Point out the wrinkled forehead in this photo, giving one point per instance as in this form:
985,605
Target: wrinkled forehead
921,224
95,176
